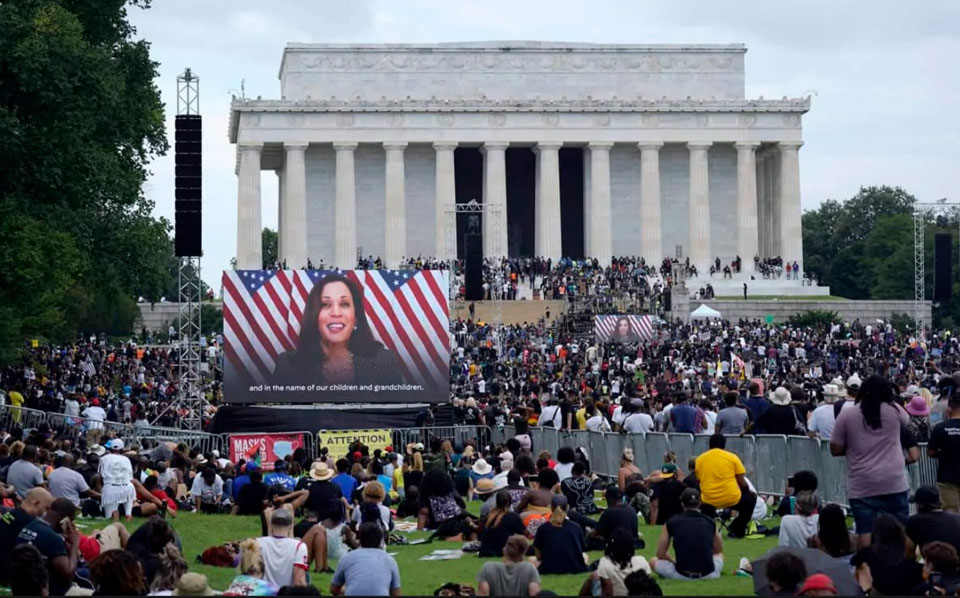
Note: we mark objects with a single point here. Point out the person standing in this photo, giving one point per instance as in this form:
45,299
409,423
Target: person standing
944,446
869,436
756,404
823,419
732,419
724,485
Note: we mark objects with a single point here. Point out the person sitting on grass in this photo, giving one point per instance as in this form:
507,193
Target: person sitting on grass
696,543
832,535
616,516
326,540
373,496
786,573
560,543
796,530
578,488
250,582
941,570
893,572
32,578
172,568
514,576
285,559
117,573
369,570
442,510
500,524
619,560
639,583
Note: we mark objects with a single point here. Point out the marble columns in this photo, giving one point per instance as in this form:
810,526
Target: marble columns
249,246
494,199
294,212
345,213
699,251
651,233
445,231
395,206
547,234
599,216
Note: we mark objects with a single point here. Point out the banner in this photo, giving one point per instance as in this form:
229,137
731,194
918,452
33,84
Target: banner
323,336
338,441
267,447
623,329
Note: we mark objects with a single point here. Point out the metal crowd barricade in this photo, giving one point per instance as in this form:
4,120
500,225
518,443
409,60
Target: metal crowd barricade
21,417
682,446
599,454
203,441
831,476
551,441
769,474
656,444
803,454
456,434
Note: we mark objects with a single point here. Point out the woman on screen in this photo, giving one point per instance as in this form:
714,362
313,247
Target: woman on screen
624,332
336,344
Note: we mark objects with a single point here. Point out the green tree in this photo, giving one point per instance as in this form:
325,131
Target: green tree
270,240
80,119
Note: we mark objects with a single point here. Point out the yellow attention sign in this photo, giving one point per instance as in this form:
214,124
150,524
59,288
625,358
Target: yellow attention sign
338,441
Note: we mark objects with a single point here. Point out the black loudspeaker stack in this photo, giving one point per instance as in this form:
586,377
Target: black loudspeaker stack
188,157
473,270
942,267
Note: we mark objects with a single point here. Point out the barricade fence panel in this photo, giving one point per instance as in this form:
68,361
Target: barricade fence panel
769,460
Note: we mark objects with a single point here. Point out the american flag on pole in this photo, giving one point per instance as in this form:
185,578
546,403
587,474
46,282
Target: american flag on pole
407,312
605,327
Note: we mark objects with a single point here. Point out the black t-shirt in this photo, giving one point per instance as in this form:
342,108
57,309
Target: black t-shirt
890,577
51,545
932,527
493,539
324,500
561,548
692,533
251,497
778,419
945,440
618,516
11,523
667,494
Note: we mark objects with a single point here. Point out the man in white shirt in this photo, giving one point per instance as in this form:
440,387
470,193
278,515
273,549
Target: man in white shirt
285,558
822,419
636,422
207,491
551,416
96,415
116,470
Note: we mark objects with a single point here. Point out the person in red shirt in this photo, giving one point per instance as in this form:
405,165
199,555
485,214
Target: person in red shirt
151,486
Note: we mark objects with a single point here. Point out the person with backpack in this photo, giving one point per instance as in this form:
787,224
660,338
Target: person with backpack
551,416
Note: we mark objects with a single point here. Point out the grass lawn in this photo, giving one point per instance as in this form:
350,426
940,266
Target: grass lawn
423,577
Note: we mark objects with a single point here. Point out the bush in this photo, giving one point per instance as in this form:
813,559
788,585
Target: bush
814,318
902,322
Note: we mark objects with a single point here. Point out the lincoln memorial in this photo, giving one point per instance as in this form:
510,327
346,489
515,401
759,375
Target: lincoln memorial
573,150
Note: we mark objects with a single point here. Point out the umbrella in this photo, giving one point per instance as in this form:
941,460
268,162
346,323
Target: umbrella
816,561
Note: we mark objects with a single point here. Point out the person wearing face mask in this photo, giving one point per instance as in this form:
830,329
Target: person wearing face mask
336,344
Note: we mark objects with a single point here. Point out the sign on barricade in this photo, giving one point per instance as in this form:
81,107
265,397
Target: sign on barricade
337,442
263,448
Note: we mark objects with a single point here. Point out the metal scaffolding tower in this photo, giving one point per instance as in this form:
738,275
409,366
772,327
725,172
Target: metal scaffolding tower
921,213
190,402
485,210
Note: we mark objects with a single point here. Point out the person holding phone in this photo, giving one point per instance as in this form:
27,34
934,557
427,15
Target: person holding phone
57,539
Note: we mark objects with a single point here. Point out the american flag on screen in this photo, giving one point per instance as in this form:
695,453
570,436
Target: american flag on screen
605,327
407,312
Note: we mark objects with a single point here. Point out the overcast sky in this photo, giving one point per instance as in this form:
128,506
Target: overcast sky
883,73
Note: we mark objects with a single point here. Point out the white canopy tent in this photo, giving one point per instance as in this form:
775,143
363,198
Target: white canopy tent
705,312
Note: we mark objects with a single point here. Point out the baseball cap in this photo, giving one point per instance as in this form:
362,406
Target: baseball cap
818,582
926,495
668,470
853,381
690,497
559,500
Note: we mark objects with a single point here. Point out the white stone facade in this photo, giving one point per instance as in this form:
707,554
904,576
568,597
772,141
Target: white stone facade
675,157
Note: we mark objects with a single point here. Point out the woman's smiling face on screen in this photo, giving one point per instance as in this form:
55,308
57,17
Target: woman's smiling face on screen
337,314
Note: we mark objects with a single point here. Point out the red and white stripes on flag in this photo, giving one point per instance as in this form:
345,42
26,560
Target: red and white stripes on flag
407,312
605,327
